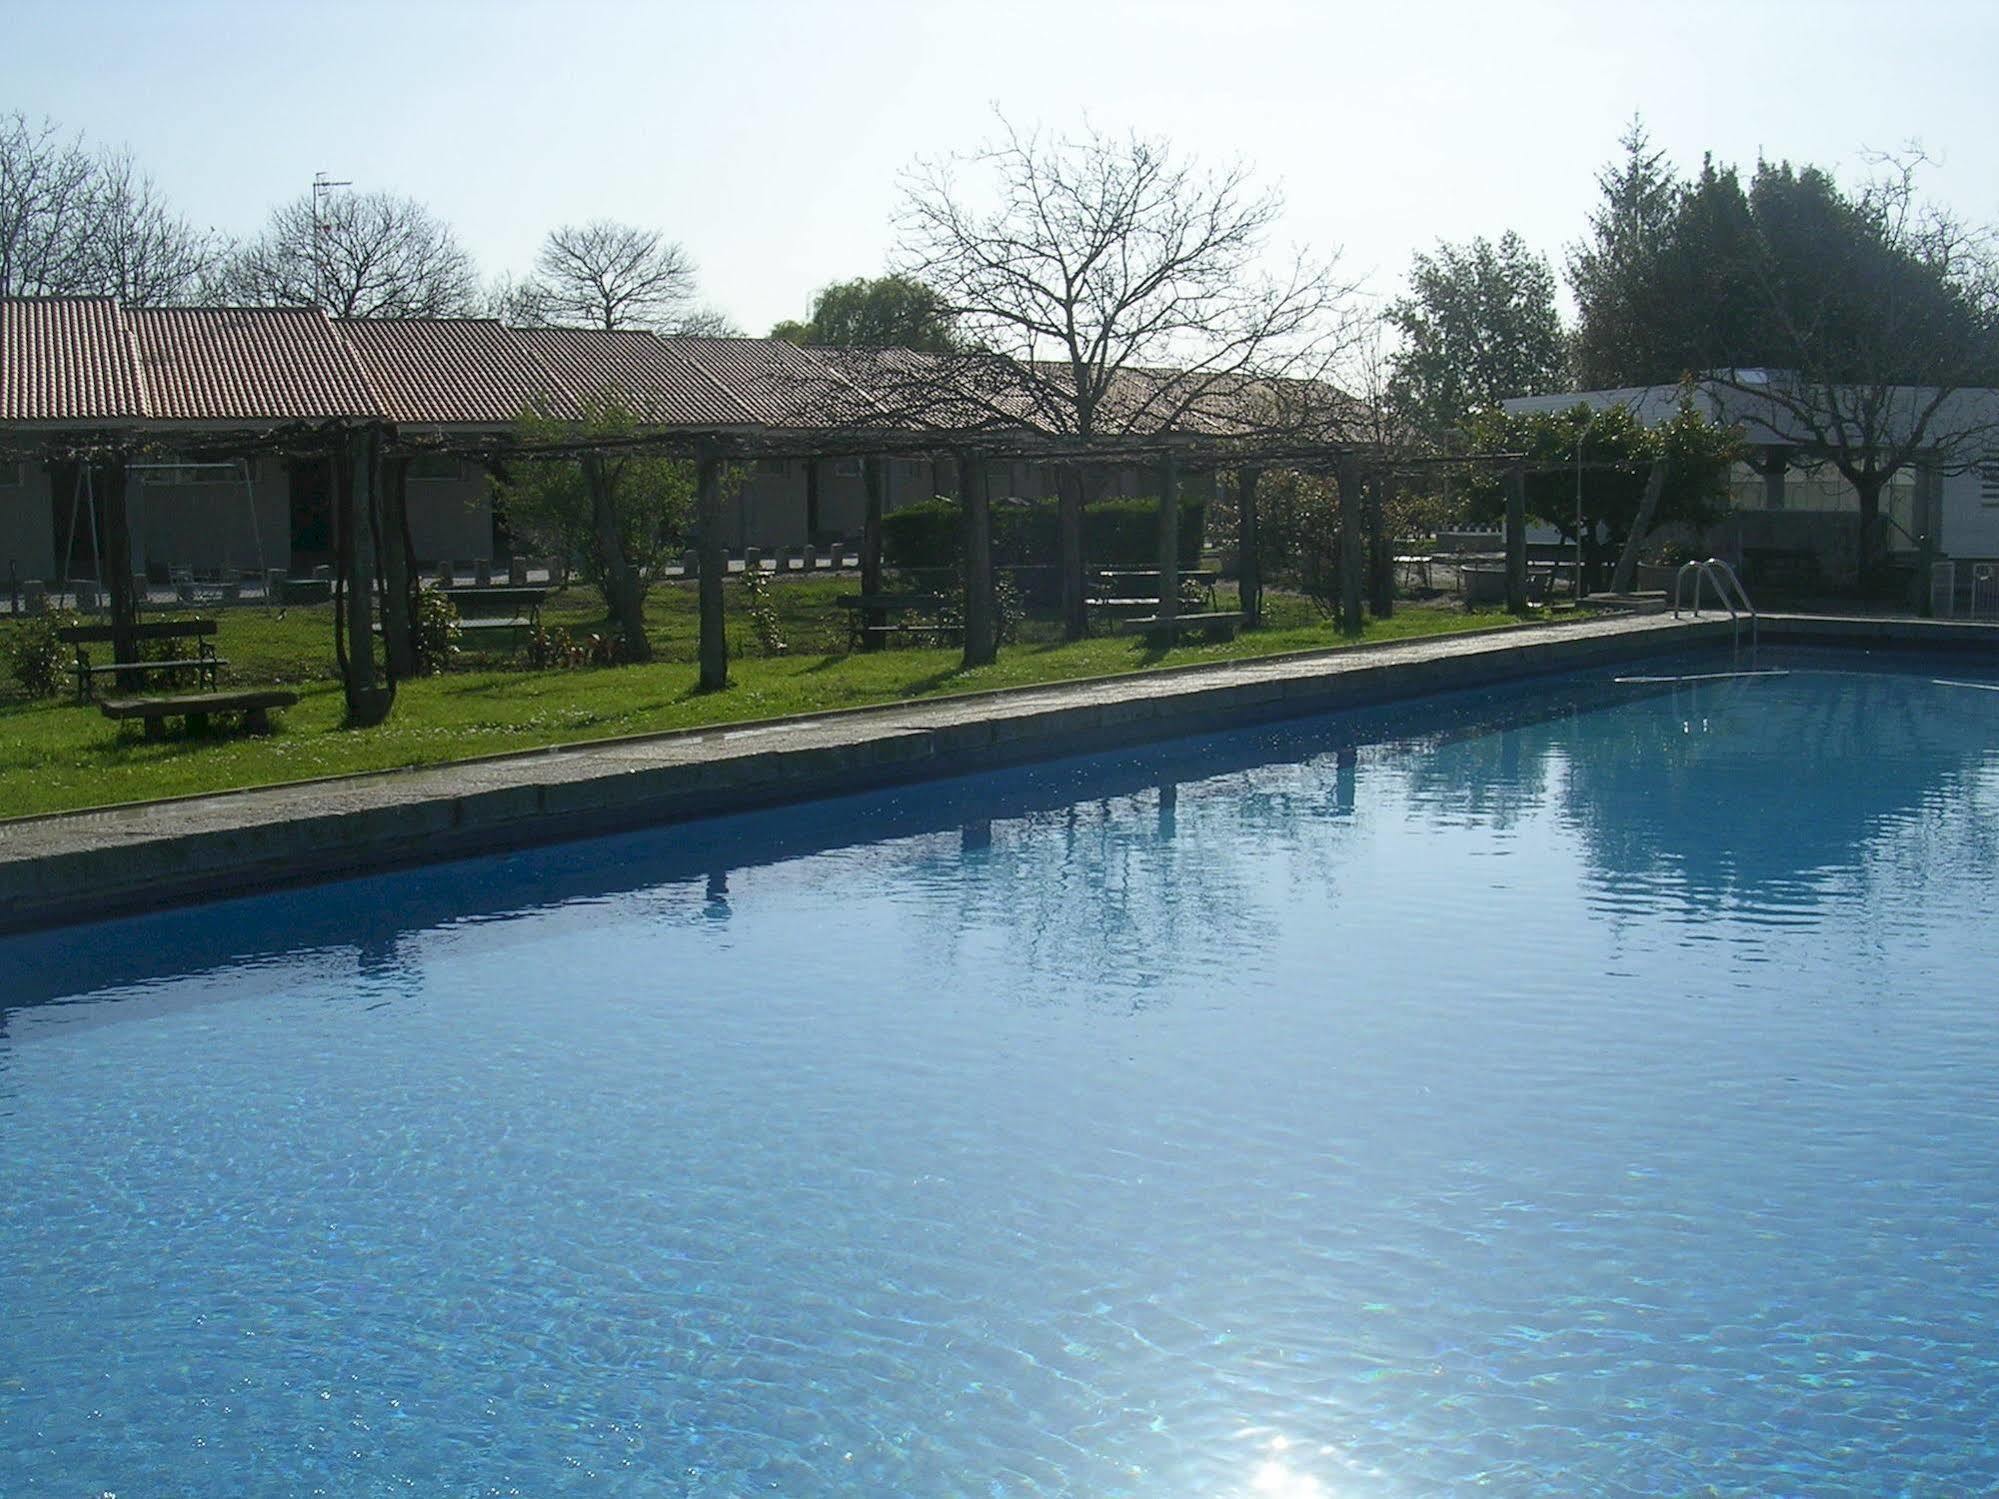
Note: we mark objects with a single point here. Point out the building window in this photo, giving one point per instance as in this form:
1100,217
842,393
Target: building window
846,468
1988,479
436,468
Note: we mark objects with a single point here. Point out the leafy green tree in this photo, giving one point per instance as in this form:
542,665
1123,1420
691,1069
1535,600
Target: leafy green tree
1479,325
616,508
883,312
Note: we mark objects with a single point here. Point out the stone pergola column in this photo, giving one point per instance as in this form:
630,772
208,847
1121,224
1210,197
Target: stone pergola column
1169,541
1249,562
1069,552
981,634
117,566
1352,482
714,647
1516,539
871,547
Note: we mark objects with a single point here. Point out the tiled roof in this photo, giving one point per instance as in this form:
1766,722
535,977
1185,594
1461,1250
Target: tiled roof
455,371
246,364
662,383
66,360
780,384
88,360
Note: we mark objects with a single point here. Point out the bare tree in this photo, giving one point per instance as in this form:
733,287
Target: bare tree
1088,257
46,181
140,250
609,275
1126,289
368,255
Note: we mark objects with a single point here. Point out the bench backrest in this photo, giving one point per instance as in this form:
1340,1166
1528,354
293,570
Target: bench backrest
889,600
145,629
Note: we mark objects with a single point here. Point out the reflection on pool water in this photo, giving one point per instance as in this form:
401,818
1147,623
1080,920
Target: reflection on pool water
1586,1088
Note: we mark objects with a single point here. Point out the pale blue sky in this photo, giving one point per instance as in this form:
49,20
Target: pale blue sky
767,136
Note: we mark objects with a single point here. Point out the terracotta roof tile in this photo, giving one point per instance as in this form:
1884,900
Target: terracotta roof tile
780,384
66,360
247,364
455,371
663,384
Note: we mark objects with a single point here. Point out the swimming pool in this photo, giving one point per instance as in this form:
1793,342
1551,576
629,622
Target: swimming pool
1585,1087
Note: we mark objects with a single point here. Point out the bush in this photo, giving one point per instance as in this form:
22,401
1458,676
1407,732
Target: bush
1116,533
434,632
38,660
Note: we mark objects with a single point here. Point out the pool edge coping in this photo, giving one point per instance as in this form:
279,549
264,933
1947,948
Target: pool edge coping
106,862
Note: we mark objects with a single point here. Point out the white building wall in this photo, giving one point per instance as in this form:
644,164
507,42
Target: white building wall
1970,516
27,530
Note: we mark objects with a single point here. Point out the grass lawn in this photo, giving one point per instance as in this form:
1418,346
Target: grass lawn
56,756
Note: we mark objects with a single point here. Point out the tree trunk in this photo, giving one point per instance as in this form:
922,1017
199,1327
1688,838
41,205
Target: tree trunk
1516,540
624,590
117,569
1069,520
1380,555
1648,506
871,550
1351,566
714,565
1867,559
1249,559
398,591
1169,540
981,636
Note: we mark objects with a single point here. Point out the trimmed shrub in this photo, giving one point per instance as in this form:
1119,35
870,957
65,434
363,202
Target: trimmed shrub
37,659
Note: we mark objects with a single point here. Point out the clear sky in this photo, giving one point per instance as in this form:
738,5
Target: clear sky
768,136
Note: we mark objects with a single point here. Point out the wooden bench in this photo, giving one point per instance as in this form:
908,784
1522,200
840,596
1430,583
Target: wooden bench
1215,624
895,608
255,705
203,664
504,609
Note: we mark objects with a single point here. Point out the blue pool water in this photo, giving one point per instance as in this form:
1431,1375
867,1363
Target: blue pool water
1590,1088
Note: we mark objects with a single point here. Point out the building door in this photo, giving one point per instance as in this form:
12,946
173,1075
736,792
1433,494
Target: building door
311,483
78,516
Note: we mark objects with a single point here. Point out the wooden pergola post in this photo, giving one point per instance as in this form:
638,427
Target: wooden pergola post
1351,482
974,483
1516,539
1380,555
871,549
1169,541
714,648
1249,562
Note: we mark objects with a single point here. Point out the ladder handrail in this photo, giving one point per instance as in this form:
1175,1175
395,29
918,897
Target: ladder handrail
1723,577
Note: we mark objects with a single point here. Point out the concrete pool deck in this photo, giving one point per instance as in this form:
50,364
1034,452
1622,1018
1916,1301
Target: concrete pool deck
81,866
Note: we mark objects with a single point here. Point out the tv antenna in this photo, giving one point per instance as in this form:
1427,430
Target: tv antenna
322,188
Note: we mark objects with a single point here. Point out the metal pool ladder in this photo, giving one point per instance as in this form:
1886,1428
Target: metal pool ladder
1728,590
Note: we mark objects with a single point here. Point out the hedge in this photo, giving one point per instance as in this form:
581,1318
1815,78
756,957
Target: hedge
1116,533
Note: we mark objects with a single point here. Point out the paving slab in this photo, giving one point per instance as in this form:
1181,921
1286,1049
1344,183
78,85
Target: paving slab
83,865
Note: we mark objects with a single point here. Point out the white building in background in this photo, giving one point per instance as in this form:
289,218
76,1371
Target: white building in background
1790,500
